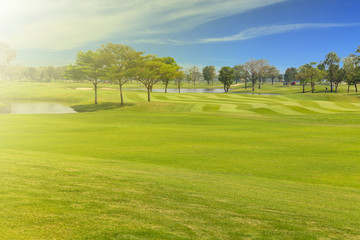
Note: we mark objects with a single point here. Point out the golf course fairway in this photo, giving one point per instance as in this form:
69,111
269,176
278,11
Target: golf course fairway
183,166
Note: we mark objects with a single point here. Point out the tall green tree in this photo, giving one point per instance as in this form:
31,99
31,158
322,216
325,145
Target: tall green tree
310,73
88,66
209,74
349,65
149,71
262,66
240,72
273,73
169,71
226,77
331,60
337,74
251,68
120,59
290,75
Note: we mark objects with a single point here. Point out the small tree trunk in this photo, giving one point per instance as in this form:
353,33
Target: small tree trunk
95,87
166,85
355,87
148,94
331,84
312,87
259,83
336,87
253,86
121,94
303,87
236,81
272,82
245,84
348,88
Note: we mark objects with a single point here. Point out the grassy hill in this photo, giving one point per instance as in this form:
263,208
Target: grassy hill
185,166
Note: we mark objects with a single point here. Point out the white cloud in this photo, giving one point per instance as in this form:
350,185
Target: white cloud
67,24
274,29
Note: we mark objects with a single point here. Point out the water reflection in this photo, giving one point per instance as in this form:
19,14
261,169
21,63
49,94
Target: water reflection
35,108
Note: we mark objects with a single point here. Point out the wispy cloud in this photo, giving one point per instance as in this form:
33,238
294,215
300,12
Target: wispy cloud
274,29
66,24
247,34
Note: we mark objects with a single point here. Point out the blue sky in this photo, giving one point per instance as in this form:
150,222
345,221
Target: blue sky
194,32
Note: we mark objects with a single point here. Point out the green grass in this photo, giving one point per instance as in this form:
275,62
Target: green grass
185,166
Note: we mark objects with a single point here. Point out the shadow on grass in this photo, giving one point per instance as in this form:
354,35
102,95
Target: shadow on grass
98,107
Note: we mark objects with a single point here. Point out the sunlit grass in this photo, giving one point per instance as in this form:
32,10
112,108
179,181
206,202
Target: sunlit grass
185,166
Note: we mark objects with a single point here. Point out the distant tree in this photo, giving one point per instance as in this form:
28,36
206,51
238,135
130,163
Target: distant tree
349,68
169,71
180,76
356,77
309,73
281,77
262,66
209,74
290,75
88,66
31,73
7,55
120,58
149,71
336,74
331,59
250,66
240,72
226,76
194,74
273,73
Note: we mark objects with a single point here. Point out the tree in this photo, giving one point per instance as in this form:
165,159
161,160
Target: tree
194,74
169,71
331,59
148,71
120,59
250,66
273,73
240,72
209,74
7,55
226,76
349,67
262,67
309,73
336,74
179,78
290,75
90,66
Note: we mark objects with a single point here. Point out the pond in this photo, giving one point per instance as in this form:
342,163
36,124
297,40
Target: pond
34,108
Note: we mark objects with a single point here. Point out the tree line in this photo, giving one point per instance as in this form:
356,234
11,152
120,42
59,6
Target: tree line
120,63
333,69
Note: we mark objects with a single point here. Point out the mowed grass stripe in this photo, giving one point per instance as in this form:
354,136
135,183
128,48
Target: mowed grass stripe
129,199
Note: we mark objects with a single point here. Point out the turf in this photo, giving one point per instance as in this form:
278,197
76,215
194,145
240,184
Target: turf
185,166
